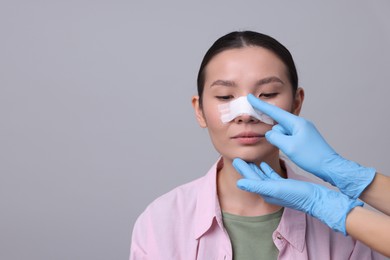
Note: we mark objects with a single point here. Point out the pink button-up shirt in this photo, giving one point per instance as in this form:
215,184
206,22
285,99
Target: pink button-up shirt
186,223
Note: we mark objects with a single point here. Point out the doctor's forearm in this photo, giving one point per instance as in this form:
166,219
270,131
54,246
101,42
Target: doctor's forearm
377,194
371,228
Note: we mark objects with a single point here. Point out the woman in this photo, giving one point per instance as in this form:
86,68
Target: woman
210,218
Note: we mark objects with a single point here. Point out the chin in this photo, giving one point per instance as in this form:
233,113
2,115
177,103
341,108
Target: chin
253,159
255,155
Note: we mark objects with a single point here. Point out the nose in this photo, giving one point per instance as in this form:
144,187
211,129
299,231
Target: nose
245,119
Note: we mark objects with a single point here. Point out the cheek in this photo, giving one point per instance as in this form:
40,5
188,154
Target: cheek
284,102
216,129
210,111
212,116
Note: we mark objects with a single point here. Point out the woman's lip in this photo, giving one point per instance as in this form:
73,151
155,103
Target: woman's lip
248,140
248,135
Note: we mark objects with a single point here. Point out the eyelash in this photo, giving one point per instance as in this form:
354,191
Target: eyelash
268,95
225,98
264,95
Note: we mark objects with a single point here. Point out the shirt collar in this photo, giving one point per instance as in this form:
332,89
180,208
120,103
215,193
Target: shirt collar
292,225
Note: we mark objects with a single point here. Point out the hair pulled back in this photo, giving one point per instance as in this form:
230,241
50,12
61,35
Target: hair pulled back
241,39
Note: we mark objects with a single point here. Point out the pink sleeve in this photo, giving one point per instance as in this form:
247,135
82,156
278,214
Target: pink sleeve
137,253
138,240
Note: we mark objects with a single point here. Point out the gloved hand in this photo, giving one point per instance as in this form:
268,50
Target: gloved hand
303,144
329,206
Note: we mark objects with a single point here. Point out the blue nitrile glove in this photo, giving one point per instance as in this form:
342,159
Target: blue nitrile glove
329,206
303,144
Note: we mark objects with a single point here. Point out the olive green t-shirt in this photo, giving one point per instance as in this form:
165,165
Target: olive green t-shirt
251,237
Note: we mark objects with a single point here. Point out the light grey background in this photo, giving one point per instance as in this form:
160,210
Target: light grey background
95,113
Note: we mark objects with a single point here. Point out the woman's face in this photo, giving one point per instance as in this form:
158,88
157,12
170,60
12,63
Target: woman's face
235,73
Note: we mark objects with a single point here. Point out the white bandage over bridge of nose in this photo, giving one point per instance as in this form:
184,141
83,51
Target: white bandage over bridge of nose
240,106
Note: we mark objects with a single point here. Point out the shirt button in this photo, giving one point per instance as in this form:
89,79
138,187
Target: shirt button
279,236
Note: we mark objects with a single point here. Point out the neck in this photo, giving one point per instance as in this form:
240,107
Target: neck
236,201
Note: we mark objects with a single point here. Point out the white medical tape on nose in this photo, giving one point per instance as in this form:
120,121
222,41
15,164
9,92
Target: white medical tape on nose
240,106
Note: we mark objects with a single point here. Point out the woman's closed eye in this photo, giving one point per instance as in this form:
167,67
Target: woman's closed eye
225,98
268,95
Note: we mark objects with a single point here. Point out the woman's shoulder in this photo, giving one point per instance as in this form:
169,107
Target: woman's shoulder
168,221
184,198
179,201
170,215
178,198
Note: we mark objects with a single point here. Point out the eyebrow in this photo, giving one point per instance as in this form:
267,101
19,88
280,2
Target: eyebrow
229,83
226,83
268,80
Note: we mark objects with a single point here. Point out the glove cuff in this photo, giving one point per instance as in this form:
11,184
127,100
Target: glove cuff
334,209
351,178
341,225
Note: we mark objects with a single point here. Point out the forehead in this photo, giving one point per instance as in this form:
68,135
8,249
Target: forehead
246,60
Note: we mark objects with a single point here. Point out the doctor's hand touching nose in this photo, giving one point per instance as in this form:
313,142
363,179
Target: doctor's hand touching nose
303,144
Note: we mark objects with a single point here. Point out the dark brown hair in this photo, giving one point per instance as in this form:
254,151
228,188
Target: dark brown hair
236,40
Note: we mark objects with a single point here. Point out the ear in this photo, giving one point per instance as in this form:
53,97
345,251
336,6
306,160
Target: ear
298,101
199,112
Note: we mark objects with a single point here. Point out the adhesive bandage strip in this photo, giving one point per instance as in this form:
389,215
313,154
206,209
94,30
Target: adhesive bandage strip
239,107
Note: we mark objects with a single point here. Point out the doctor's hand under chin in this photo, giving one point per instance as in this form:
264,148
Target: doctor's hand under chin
329,206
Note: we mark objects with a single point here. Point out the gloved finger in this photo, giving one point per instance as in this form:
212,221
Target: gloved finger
279,140
269,172
262,188
281,116
246,170
257,170
280,129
